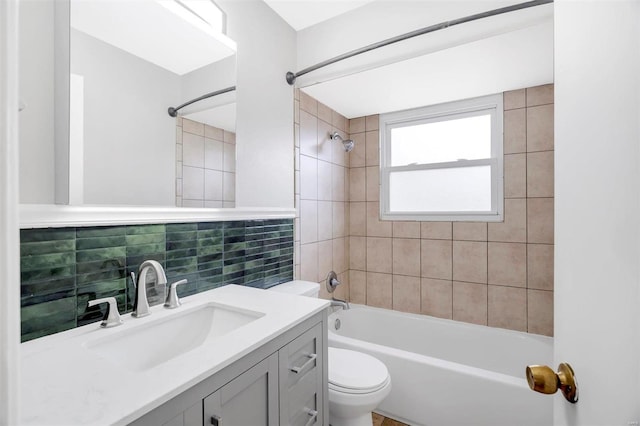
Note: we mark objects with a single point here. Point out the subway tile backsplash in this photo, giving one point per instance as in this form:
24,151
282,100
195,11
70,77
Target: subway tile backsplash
63,268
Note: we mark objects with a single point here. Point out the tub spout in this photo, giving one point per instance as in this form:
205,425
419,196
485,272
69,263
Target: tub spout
342,303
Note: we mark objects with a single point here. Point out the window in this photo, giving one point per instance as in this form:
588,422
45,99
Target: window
443,162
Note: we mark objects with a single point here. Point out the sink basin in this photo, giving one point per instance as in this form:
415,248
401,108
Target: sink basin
159,341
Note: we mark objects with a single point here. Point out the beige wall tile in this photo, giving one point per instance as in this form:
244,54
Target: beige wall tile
228,187
309,262
214,154
340,263
308,221
325,144
192,203
358,219
515,131
436,257
406,294
508,264
515,176
339,213
296,111
325,220
436,230
358,253
371,122
308,104
540,266
308,178
540,95
514,227
514,99
507,307
470,231
540,128
296,135
308,134
357,125
470,302
406,256
213,133
379,255
229,137
358,287
342,292
325,259
372,156
357,154
193,150
192,184
379,290
325,182
406,229
229,157
325,113
470,261
339,155
540,220
437,298
338,183
212,185
375,226
340,122
540,174
357,184
194,127
373,183
540,312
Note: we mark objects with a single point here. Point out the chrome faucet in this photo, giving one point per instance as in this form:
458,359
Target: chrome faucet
339,302
141,304
332,283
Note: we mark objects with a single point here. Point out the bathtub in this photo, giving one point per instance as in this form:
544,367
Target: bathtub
446,372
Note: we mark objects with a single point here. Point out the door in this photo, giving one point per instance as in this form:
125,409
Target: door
597,211
249,399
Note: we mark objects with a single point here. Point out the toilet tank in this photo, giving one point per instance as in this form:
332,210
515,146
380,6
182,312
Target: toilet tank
299,287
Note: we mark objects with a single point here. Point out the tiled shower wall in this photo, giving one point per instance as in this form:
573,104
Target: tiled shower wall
496,274
63,268
321,187
205,165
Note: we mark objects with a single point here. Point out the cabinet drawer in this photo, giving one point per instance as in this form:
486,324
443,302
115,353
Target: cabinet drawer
301,372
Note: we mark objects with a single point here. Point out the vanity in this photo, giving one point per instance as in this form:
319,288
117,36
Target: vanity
234,355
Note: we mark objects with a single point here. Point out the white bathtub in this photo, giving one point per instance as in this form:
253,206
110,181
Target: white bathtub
446,372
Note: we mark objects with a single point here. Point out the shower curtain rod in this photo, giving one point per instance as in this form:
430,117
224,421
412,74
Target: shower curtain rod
173,112
291,76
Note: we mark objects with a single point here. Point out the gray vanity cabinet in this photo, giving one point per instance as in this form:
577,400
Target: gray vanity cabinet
249,399
282,383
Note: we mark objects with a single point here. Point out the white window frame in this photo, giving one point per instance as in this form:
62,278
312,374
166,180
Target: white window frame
491,104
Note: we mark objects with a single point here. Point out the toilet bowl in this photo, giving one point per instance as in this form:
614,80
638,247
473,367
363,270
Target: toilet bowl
358,382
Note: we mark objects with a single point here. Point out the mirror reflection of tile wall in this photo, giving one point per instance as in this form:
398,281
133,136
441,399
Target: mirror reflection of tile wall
205,165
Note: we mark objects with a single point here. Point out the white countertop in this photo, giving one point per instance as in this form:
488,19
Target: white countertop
64,383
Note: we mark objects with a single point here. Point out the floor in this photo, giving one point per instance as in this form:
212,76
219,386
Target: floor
379,420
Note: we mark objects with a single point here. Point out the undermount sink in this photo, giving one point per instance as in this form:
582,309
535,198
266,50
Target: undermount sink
159,341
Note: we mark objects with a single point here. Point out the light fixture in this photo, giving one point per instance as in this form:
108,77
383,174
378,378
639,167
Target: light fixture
202,14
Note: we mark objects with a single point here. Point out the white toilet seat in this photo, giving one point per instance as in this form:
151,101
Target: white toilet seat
355,372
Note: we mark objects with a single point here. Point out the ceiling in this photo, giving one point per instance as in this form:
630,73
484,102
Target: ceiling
300,14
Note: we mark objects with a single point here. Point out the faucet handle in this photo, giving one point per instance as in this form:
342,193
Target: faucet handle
112,316
172,295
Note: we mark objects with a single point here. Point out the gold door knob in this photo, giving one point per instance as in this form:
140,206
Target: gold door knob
544,380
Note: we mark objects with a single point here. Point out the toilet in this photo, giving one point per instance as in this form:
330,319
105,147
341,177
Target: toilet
358,382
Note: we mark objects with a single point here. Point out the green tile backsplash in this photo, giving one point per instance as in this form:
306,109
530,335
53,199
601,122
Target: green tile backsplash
63,268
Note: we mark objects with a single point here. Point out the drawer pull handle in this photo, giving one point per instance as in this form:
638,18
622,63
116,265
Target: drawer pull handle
312,358
216,421
313,416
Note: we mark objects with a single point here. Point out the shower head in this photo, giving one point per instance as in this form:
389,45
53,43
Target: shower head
348,144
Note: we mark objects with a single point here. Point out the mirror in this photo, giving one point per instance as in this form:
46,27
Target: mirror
117,67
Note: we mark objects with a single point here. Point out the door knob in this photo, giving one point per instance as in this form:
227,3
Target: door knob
544,380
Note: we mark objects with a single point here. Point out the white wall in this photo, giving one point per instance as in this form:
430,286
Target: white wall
37,93
597,211
129,139
9,233
216,76
264,127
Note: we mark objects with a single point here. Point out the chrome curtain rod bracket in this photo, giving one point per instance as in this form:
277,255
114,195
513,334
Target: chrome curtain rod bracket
291,76
173,112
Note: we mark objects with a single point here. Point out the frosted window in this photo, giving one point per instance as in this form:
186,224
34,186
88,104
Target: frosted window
467,138
461,189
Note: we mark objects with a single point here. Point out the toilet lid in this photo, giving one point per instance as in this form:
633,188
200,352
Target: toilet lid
355,371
